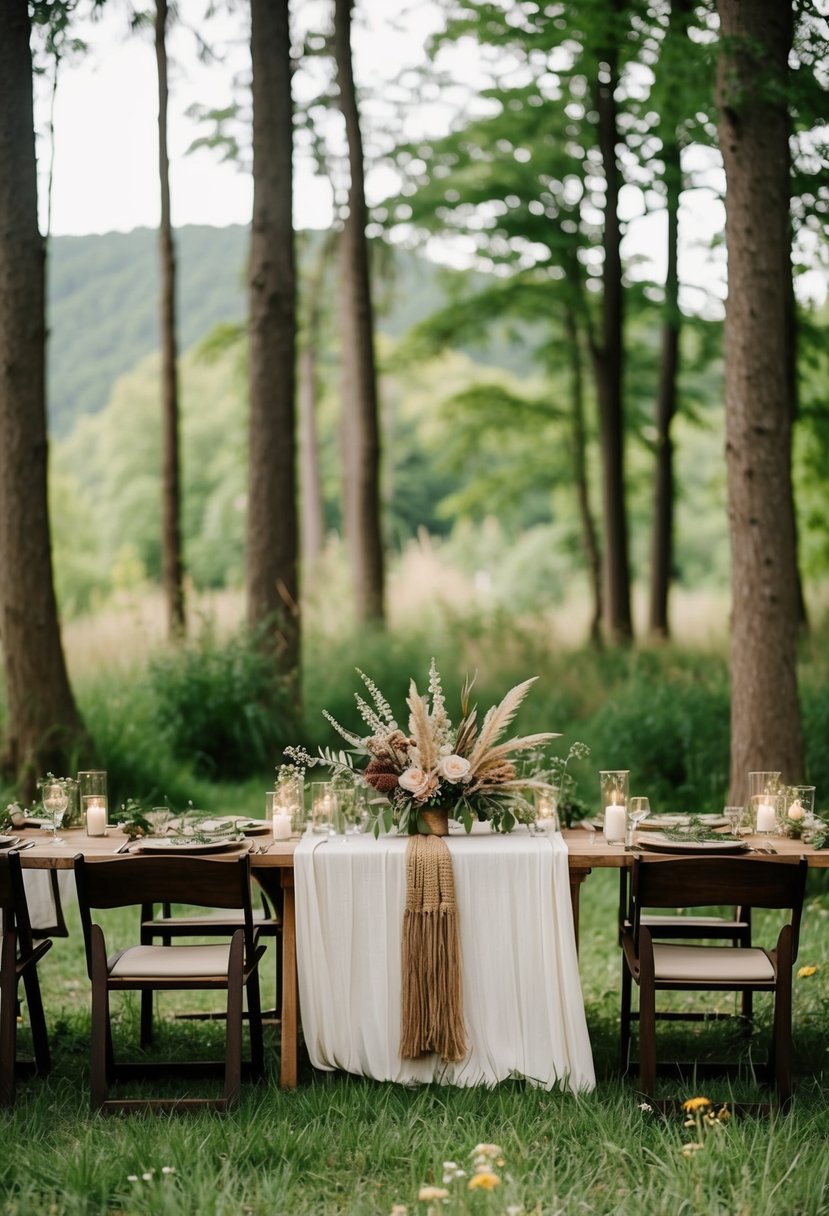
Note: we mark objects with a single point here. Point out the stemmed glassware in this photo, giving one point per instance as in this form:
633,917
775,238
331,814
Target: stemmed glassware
638,809
55,798
734,815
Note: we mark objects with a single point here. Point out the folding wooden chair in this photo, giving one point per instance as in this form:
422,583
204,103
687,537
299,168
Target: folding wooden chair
167,925
19,957
695,882
231,966
733,926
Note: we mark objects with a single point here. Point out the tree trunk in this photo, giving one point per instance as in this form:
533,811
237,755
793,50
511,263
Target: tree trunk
43,726
766,730
666,402
271,566
608,361
593,557
312,514
171,547
360,434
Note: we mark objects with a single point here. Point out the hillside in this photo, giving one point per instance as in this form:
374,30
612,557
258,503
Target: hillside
103,306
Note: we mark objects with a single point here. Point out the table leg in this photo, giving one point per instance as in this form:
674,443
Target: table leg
289,1028
577,877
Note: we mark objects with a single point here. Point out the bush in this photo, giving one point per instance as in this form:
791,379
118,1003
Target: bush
223,708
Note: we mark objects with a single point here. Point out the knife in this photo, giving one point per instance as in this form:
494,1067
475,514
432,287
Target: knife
18,848
123,848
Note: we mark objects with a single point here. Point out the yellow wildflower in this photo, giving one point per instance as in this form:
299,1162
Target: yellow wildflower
693,1104
427,1193
804,972
688,1150
484,1181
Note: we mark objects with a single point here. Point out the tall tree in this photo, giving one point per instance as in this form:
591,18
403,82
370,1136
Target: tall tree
172,563
43,726
753,123
360,430
674,47
608,352
272,542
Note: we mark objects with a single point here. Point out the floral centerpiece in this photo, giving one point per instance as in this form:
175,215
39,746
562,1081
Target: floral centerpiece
468,770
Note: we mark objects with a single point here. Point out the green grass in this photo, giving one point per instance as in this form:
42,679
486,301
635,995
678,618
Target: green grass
346,1145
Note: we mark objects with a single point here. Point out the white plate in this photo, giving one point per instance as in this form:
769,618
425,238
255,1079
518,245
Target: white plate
6,842
681,821
660,844
182,844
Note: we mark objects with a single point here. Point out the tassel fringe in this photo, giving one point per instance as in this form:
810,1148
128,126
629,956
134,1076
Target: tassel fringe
432,993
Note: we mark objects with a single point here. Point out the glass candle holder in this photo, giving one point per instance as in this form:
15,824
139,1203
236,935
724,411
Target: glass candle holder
324,808
615,791
546,811
288,798
92,789
798,808
765,813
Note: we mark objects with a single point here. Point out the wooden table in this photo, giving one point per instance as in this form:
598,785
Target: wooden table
274,871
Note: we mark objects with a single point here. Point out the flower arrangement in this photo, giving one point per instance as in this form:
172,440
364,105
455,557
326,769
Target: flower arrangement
469,770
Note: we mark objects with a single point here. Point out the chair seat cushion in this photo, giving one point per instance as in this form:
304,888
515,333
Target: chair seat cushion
170,962
712,964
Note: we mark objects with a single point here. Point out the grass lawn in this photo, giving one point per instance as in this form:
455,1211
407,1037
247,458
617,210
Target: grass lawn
347,1145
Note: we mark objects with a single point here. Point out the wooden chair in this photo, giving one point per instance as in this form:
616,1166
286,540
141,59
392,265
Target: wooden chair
165,925
733,927
19,957
230,966
695,882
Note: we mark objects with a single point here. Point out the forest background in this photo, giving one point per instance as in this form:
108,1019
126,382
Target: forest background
478,500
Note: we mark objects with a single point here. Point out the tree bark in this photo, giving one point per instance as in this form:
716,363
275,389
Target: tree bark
43,726
592,554
312,513
766,731
172,562
360,430
272,540
666,404
609,359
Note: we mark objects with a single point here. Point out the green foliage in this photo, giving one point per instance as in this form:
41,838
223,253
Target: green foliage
222,707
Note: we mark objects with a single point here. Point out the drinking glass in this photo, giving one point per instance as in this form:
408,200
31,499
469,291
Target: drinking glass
638,809
589,825
159,818
55,801
734,815
353,805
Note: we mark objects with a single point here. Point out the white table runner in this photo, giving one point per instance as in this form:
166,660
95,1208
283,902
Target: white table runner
522,993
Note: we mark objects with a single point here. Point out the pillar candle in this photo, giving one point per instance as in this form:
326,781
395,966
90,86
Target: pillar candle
614,824
96,816
766,818
281,825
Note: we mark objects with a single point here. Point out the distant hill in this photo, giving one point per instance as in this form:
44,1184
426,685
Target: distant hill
103,306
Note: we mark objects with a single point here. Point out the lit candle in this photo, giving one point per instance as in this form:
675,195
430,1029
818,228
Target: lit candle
96,816
614,823
766,818
281,823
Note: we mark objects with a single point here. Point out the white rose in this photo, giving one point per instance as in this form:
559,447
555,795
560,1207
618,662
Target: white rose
796,810
454,768
418,783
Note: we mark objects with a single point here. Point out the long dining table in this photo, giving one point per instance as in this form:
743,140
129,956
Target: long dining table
274,871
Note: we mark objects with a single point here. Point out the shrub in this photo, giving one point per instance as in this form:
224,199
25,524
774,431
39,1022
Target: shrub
223,708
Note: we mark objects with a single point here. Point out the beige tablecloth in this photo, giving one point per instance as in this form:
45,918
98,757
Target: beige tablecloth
522,993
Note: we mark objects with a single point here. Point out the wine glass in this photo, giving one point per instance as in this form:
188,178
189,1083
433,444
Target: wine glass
159,817
638,809
734,815
55,801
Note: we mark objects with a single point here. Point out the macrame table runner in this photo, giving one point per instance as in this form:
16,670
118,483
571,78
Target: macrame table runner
431,1014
